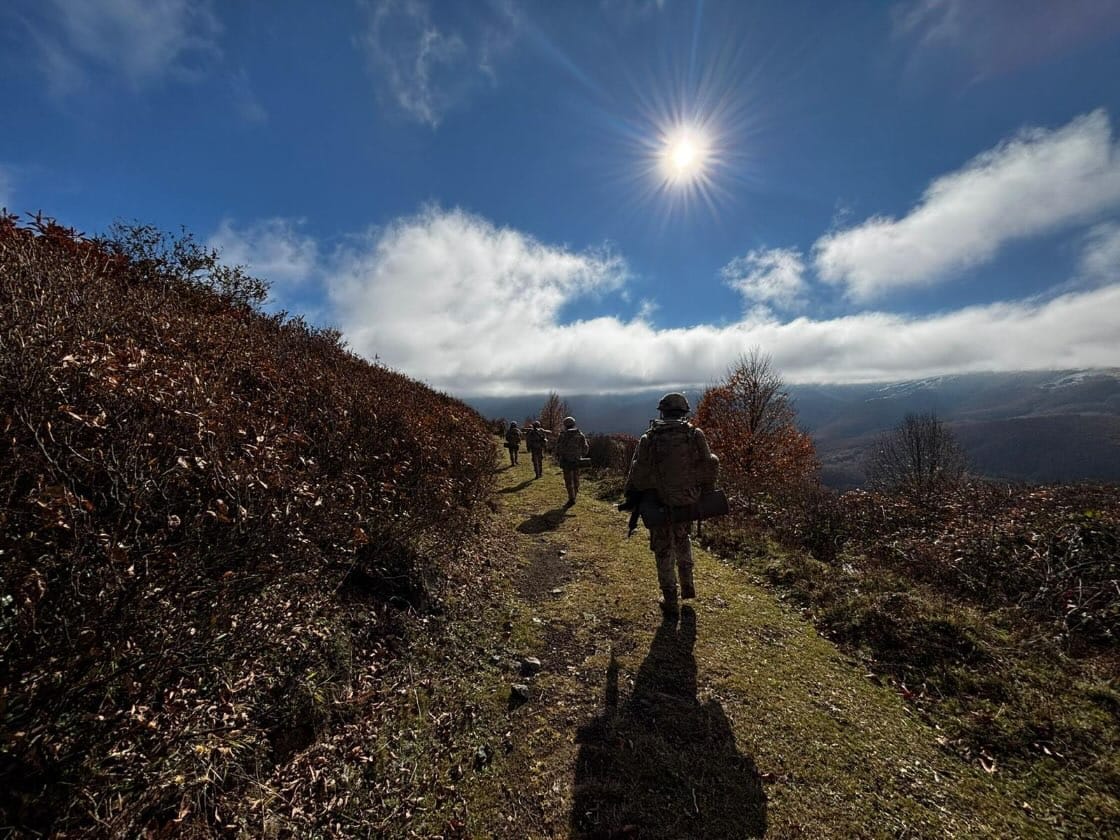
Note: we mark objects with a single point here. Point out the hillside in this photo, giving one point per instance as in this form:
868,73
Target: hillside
219,532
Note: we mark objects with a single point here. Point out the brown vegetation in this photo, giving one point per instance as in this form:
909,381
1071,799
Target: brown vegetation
213,524
751,424
994,609
553,412
919,458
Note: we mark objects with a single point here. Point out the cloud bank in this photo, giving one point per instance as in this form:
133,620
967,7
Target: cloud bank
475,309
1036,182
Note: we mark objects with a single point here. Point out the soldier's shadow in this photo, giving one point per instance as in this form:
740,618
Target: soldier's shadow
664,765
517,487
541,522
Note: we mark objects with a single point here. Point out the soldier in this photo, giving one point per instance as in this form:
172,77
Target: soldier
674,461
535,440
513,442
570,447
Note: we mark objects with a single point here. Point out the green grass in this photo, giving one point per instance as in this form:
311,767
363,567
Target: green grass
741,718
757,698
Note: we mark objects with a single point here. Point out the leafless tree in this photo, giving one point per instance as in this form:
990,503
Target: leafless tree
553,412
918,458
752,425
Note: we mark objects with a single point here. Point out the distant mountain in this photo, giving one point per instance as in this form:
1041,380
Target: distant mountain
1035,426
1029,426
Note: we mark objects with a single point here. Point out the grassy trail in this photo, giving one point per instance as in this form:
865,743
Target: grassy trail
736,721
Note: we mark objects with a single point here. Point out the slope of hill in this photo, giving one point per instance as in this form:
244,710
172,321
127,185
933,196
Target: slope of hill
216,531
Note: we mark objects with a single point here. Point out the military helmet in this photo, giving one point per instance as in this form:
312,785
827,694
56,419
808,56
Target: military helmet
569,422
674,403
536,424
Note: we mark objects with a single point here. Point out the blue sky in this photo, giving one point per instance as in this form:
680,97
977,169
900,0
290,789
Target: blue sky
511,196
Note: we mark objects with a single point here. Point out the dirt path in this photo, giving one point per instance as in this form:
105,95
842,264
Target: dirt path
735,721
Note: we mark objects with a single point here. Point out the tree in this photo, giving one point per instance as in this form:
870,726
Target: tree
752,425
918,458
553,412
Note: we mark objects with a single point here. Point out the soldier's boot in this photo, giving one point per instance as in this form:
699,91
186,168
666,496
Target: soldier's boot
668,603
688,588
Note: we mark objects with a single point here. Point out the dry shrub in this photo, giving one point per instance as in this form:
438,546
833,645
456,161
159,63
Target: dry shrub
198,503
612,452
1053,551
808,517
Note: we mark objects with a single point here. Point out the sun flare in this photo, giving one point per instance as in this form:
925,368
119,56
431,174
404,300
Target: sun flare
684,155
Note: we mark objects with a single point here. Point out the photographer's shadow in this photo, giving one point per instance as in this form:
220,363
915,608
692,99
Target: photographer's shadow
664,765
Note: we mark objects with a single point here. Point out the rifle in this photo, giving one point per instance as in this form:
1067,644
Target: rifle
653,513
633,504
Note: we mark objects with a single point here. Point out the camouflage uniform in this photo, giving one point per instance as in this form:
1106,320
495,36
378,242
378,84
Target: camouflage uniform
535,439
513,442
674,460
570,447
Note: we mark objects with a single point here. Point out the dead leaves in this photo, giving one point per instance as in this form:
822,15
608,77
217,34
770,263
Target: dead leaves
184,479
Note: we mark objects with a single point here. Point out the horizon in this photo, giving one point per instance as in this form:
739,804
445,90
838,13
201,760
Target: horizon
507,198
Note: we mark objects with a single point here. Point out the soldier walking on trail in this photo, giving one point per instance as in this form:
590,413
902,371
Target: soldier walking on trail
674,461
535,440
513,442
571,446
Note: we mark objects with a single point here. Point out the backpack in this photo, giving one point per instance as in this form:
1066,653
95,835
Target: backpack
569,447
513,437
676,463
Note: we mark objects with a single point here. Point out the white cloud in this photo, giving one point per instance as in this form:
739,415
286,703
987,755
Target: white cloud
449,297
1100,259
475,309
428,69
272,249
772,277
1036,182
142,40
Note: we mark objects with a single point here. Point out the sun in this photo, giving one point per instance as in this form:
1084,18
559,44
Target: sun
684,156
